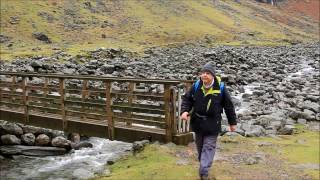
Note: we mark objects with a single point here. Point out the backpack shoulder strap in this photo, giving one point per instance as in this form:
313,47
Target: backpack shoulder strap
221,88
196,86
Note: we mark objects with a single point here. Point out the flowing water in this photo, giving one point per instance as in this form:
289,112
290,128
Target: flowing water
78,164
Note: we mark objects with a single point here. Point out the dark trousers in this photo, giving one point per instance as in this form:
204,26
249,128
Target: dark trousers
206,146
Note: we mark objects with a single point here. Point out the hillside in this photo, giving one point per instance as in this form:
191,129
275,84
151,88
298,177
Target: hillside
78,25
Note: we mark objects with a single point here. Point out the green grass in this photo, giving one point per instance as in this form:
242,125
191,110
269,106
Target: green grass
154,162
141,24
160,162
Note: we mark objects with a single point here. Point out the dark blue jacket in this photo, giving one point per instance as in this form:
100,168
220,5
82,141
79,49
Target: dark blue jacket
207,110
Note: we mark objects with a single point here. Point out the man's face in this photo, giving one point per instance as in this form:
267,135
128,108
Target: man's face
206,77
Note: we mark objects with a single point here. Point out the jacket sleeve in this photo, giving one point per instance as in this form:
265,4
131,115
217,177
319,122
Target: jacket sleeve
229,108
187,101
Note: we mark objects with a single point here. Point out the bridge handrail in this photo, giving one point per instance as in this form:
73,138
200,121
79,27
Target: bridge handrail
88,77
171,97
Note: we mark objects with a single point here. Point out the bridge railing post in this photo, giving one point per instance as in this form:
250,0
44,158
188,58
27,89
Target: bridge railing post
25,100
62,101
173,102
168,116
130,101
13,88
84,95
45,87
109,111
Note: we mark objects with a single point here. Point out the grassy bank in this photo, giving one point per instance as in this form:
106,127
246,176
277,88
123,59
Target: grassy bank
283,157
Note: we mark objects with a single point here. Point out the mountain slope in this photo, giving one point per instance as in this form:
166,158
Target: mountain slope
75,25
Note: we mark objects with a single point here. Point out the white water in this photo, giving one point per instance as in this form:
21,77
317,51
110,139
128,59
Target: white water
91,160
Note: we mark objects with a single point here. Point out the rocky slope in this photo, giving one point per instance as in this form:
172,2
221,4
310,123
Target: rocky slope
273,87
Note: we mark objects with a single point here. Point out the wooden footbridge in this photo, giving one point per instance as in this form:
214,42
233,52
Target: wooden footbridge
122,109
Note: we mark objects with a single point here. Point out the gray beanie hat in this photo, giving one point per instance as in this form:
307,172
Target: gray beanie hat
209,68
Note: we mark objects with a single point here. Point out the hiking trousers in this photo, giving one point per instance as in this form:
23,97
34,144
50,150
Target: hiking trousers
206,146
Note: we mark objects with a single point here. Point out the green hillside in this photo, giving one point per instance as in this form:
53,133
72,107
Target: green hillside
78,25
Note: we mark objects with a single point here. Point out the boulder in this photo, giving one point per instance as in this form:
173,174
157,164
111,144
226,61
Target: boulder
138,146
42,140
31,129
81,145
10,128
74,137
60,142
42,37
28,139
301,121
9,139
286,130
255,131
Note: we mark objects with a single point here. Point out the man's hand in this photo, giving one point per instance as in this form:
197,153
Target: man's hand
233,127
184,116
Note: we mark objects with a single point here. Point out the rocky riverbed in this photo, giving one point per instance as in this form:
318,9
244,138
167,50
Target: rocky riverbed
272,87
28,152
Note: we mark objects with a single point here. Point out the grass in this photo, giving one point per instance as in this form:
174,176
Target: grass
278,158
155,162
141,24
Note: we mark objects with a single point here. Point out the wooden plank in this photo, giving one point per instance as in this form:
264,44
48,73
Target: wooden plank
137,105
138,109
167,112
90,115
12,97
140,121
88,110
84,103
109,111
11,103
51,100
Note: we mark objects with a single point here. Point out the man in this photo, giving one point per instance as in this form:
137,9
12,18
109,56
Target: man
207,98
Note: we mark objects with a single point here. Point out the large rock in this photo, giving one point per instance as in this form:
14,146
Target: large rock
286,130
138,146
255,131
28,139
37,130
10,128
42,37
31,129
80,145
74,137
60,142
312,106
42,140
32,150
9,139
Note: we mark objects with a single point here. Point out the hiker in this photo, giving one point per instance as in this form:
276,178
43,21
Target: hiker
206,99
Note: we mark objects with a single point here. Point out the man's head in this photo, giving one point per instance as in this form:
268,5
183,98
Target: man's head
207,73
